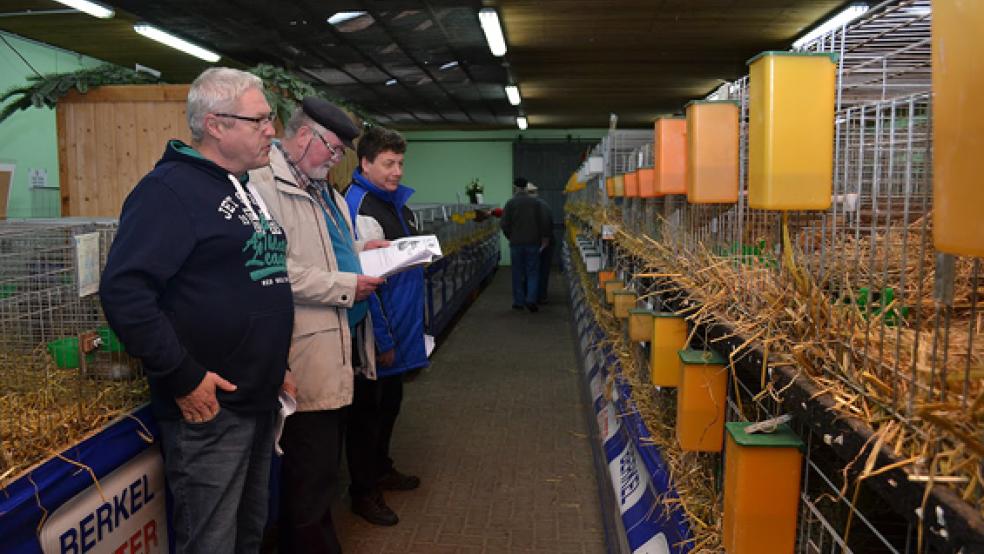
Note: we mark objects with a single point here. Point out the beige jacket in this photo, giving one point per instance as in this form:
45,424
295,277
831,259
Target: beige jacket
321,345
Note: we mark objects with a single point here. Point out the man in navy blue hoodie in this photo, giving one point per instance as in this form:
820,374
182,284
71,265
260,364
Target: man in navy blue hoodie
196,286
398,326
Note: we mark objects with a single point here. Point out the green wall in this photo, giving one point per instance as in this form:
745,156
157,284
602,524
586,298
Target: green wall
440,164
28,138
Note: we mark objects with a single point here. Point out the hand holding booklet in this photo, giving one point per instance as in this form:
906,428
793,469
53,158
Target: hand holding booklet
400,255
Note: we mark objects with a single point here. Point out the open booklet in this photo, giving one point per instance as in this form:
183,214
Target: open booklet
400,255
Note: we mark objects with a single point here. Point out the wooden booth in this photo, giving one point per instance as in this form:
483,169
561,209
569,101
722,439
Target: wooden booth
111,136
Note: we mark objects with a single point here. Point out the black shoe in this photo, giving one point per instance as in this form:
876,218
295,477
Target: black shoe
373,509
396,481
533,308
518,307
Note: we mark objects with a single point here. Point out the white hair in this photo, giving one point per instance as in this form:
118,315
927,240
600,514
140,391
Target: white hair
217,89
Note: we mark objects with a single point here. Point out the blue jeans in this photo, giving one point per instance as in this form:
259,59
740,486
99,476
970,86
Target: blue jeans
219,476
525,273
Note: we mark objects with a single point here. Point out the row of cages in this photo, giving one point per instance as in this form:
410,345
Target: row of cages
63,372
818,224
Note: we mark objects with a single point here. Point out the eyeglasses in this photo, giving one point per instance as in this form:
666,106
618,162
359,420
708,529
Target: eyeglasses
336,151
260,121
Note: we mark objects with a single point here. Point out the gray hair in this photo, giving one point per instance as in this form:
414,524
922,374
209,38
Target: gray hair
297,120
217,89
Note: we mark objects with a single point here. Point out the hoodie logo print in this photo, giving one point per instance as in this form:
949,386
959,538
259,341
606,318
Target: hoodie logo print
269,254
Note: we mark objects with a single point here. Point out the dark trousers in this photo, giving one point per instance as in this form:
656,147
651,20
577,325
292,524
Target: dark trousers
546,259
525,273
312,444
372,416
219,476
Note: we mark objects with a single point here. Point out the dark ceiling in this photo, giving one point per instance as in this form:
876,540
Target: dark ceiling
574,61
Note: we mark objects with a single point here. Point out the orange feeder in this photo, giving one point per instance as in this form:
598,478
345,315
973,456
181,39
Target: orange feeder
701,400
632,184
761,489
647,182
669,336
604,276
610,187
712,152
670,155
958,125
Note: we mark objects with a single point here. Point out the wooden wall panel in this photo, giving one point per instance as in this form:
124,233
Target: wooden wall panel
109,138
112,136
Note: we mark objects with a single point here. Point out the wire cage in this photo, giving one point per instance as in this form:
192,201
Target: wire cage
855,297
63,372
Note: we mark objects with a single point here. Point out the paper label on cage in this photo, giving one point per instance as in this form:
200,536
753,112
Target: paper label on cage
607,423
607,232
87,262
131,518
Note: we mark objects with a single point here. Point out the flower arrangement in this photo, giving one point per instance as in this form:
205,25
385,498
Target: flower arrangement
475,190
475,187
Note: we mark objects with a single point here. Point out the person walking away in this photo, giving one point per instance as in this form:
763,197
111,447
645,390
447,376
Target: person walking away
528,230
546,252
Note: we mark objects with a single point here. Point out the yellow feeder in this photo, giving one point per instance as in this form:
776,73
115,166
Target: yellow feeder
623,300
641,325
610,187
712,152
610,287
761,489
632,184
669,336
701,400
670,155
791,130
619,184
958,125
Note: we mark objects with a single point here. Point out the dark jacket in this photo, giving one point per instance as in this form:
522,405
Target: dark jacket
194,283
524,221
398,306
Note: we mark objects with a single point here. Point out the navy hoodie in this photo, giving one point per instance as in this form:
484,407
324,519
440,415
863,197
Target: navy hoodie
195,282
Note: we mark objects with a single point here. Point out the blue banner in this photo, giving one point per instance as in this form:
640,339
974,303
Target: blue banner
639,475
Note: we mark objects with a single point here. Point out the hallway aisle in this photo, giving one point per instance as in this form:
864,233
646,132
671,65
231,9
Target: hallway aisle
496,430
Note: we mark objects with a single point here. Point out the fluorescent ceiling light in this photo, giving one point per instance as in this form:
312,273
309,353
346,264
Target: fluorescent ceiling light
846,16
522,123
449,65
92,8
512,93
391,82
489,18
342,17
163,37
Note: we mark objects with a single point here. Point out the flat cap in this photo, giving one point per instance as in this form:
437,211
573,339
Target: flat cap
331,117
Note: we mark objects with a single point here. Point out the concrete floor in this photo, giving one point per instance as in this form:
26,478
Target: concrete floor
496,430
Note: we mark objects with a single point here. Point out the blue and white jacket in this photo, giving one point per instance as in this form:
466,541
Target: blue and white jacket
397,307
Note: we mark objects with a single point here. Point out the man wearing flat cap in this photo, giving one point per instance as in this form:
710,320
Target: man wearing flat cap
332,337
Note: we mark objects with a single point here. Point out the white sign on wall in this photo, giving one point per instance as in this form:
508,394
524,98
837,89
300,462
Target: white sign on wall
87,260
37,177
131,519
